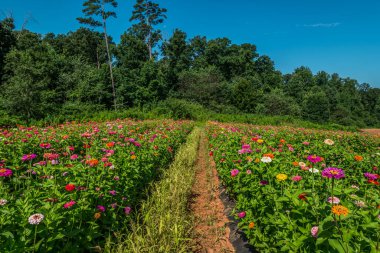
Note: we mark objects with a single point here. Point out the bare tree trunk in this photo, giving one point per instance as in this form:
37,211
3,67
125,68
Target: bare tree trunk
109,60
97,57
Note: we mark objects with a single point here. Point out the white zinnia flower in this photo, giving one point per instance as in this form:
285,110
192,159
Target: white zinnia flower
3,202
266,159
314,170
329,142
36,218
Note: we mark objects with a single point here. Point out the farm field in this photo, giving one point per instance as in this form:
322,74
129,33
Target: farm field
159,186
300,190
67,188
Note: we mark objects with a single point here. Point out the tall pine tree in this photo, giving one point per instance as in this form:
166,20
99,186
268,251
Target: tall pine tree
97,9
148,14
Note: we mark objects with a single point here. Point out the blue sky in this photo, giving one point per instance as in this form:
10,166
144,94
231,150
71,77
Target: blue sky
341,36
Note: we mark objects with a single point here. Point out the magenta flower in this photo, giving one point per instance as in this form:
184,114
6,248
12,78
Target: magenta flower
245,149
101,208
297,178
113,192
263,182
241,215
127,210
69,204
333,173
45,145
314,158
234,172
4,172
73,157
114,205
314,231
28,157
371,176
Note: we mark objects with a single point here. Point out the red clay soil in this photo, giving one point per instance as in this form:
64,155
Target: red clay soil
211,232
375,132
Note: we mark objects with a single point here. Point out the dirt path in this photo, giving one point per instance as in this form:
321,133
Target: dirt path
375,132
210,229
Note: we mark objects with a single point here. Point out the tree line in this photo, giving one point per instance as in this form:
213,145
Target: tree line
85,70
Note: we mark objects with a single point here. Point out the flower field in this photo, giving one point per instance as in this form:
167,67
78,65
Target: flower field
69,187
300,190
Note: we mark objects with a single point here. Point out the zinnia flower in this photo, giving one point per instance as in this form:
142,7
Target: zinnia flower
241,215
340,210
3,202
314,231
333,173
97,215
234,172
36,219
281,177
4,172
297,178
101,208
127,210
333,200
92,162
249,172
263,182
329,142
302,196
266,159
251,225
371,176
113,192
313,170
358,158
70,187
28,157
360,203
245,149
314,158
69,204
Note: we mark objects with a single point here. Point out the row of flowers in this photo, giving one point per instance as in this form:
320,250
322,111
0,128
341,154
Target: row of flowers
301,190
72,186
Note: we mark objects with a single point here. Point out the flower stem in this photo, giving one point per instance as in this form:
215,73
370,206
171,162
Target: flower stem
35,237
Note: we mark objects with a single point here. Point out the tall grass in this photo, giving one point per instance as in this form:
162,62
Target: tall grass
163,223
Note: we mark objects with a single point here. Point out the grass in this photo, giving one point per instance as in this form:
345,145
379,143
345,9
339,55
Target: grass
163,223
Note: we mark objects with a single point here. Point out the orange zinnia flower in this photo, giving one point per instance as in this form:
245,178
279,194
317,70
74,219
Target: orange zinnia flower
110,144
282,141
340,210
97,215
251,225
358,158
269,155
92,162
133,157
295,163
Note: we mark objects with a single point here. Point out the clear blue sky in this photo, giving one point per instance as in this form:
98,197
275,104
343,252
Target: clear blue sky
341,36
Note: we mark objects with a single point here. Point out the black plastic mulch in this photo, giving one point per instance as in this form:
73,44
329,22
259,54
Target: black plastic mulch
237,237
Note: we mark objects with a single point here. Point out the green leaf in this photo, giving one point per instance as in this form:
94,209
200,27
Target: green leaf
335,244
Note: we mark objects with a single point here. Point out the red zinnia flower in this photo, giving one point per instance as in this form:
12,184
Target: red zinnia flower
70,187
302,196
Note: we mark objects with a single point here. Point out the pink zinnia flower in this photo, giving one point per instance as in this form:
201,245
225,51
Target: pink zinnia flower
69,204
314,158
127,210
333,200
234,172
45,145
241,215
297,178
36,219
333,173
314,231
101,208
113,192
249,172
4,172
28,157
73,157
371,176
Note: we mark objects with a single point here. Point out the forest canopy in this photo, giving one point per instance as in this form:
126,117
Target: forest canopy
85,70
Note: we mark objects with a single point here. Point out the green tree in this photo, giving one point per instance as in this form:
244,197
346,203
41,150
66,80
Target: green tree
7,41
316,106
177,56
97,8
148,15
